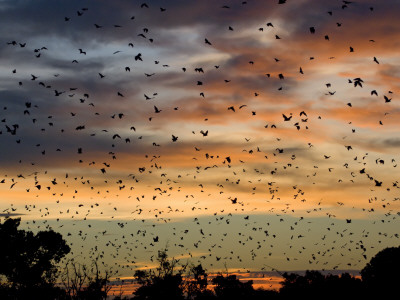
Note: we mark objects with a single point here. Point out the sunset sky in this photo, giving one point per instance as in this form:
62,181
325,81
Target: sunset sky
249,136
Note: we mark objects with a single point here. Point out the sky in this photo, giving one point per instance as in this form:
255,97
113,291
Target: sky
248,136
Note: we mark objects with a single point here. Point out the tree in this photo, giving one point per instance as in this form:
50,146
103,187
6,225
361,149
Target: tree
264,294
196,283
229,287
83,281
166,282
316,285
381,275
28,261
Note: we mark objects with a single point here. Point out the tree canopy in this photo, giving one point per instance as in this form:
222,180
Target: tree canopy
315,284
381,274
27,260
166,282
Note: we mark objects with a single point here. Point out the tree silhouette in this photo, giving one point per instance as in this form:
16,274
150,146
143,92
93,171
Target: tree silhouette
28,261
164,283
316,285
381,275
229,287
83,281
196,283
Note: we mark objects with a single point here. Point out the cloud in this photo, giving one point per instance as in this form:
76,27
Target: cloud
7,215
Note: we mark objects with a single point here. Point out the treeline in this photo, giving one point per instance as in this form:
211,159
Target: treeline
28,270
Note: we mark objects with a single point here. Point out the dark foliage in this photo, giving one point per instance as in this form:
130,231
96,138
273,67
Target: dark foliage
28,262
229,287
316,285
381,275
164,283
196,284
94,291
